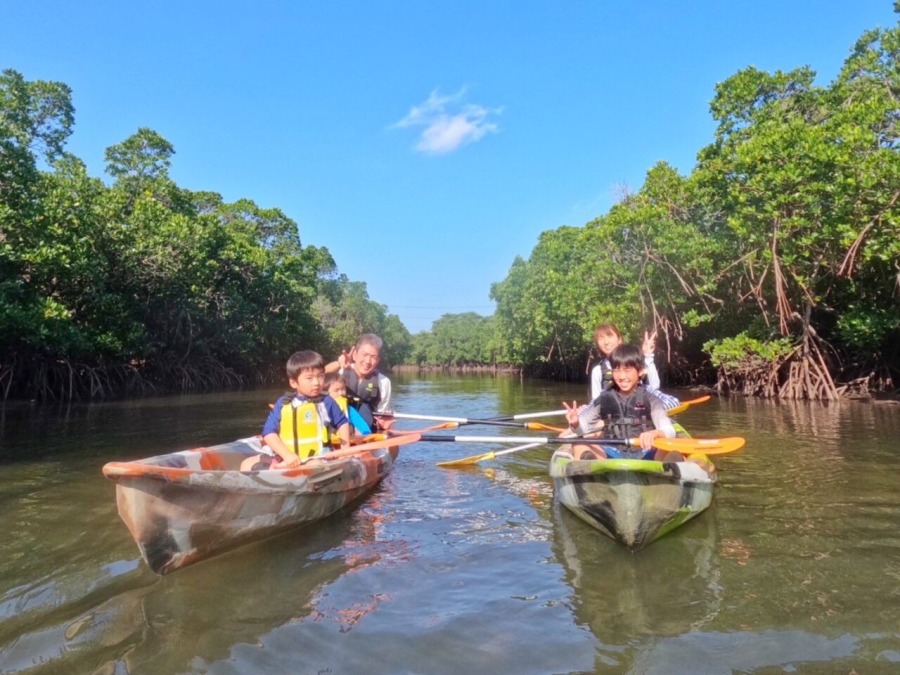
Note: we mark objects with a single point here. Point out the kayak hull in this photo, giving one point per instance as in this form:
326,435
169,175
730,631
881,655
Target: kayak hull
633,501
188,506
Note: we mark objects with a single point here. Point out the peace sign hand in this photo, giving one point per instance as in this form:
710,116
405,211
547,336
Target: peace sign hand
649,342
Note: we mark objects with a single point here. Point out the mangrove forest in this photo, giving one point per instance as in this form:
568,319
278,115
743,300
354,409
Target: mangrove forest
771,269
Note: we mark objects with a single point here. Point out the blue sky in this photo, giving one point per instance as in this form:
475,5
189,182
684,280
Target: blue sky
425,144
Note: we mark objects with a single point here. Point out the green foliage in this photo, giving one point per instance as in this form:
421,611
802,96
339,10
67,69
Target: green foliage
650,261
789,225
786,232
745,352
177,289
36,117
345,311
808,177
541,305
693,319
456,340
865,328
143,156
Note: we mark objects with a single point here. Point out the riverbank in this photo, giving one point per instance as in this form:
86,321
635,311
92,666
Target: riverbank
412,368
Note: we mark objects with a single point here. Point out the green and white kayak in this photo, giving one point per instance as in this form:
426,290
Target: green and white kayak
634,501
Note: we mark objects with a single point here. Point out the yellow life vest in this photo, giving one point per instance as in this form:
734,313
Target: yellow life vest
303,427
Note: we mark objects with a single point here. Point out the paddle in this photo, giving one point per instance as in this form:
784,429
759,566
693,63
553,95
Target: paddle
366,446
706,446
681,407
528,416
684,405
487,455
703,446
467,420
452,422
424,430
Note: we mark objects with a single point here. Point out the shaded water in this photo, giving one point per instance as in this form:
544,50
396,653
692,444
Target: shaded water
794,568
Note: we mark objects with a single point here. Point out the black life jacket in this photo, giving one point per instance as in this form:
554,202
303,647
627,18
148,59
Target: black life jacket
363,394
624,417
606,381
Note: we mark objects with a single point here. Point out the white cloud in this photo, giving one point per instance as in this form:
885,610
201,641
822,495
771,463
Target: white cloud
449,122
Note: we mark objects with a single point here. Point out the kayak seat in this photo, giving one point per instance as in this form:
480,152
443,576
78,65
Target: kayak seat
588,454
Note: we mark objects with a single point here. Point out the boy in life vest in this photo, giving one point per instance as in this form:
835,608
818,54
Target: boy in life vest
302,422
623,411
607,337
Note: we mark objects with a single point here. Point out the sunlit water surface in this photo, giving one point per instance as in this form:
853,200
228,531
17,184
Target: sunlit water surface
795,567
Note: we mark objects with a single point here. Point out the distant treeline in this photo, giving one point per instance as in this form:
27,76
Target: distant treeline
141,286
773,268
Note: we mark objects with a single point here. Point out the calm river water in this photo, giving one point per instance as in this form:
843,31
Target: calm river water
795,567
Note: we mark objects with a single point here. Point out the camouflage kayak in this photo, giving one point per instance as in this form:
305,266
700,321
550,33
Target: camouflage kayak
187,506
634,501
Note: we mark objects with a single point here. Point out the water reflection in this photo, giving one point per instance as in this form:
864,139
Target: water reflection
622,595
802,535
794,567
244,596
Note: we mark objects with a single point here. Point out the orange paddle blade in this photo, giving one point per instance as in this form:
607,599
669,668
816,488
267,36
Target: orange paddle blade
474,459
706,446
684,405
538,426
466,461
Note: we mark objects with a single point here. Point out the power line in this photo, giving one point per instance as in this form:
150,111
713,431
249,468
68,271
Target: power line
441,306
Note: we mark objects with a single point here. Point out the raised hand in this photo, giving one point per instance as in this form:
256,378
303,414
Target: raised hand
572,413
345,360
649,346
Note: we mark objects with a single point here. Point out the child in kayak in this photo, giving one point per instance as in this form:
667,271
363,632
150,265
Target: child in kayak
337,389
303,421
607,337
624,411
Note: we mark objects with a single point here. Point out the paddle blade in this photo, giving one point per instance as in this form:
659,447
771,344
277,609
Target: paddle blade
705,446
538,426
467,461
684,405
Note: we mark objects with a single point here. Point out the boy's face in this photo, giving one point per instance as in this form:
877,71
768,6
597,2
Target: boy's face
309,382
607,342
627,378
337,388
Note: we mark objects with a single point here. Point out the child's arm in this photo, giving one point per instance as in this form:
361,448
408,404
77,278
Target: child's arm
273,440
288,458
343,433
582,420
649,349
651,372
662,422
338,420
596,381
